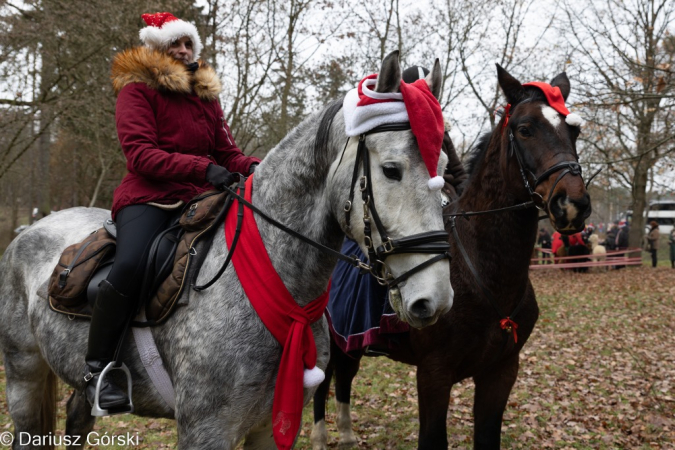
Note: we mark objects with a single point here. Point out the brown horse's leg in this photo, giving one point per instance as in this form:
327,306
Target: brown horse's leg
493,387
346,368
319,436
433,391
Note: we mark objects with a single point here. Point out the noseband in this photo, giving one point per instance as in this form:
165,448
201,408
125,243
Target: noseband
431,242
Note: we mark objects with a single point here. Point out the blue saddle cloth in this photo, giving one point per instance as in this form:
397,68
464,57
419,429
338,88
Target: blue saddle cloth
358,310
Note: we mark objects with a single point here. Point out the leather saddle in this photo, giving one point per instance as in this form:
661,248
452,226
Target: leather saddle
174,259
159,265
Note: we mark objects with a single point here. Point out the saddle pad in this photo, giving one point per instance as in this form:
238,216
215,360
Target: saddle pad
359,313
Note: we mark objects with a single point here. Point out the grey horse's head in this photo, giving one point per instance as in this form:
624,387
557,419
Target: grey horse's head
404,202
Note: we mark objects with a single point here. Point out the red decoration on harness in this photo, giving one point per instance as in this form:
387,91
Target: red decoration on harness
507,114
510,326
283,317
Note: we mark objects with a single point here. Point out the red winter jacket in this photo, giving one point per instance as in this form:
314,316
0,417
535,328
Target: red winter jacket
171,127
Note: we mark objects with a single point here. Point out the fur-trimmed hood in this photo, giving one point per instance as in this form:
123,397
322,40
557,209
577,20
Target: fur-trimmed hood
162,72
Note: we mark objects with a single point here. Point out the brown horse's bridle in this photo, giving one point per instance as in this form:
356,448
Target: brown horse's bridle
567,167
431,242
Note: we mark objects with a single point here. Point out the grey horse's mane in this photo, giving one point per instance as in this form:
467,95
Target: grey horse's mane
323,133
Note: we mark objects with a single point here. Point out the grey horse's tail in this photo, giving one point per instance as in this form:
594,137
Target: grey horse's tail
48,407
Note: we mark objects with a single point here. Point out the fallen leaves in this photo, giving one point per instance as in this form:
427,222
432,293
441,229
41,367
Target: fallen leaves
598,371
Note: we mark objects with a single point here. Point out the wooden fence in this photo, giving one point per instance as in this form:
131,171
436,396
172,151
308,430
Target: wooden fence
625,257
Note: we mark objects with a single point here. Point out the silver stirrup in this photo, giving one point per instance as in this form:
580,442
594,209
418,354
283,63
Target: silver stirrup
124,409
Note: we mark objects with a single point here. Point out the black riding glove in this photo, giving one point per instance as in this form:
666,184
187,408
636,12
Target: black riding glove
219,176
252,168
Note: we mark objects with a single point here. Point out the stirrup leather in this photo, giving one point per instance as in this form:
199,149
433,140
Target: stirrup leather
96,410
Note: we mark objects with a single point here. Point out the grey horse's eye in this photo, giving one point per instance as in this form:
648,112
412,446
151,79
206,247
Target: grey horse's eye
392,172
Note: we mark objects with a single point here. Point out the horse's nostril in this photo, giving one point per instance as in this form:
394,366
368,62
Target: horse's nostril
584,201
421,309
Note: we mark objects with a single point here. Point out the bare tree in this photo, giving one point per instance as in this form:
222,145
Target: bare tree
625,52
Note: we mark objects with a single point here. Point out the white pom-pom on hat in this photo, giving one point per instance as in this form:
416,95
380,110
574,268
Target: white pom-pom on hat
436,183
313,377
574,120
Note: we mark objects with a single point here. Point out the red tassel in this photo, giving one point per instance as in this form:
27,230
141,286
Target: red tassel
507,111
510,326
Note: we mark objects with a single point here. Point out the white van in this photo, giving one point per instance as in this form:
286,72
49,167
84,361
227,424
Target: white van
663,212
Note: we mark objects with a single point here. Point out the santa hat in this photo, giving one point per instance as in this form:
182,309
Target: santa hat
164,28
365,109
556,101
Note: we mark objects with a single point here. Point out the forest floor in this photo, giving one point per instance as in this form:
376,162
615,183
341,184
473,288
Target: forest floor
598,372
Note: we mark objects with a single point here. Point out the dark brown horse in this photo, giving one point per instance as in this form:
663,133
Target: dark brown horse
530,156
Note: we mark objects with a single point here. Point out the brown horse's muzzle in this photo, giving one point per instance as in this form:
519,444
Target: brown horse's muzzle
568,214
567,204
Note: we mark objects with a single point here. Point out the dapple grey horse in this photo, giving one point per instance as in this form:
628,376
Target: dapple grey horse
221,359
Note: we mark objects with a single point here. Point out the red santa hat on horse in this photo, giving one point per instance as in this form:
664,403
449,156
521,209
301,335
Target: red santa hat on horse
365,109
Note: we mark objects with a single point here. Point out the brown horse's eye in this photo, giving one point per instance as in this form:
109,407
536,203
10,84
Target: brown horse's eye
524,132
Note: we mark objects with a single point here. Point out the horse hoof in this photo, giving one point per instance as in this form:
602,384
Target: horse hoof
348,442
319,436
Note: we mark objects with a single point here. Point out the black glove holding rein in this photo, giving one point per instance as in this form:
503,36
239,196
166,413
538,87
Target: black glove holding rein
219,176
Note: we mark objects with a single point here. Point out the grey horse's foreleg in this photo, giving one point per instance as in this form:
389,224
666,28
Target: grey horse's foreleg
199,432
79,421
260,438
30,384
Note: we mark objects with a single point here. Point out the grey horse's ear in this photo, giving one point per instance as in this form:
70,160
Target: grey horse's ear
389,78
563,83
513,90
435,80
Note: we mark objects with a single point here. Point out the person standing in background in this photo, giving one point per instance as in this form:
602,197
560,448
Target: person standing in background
653,240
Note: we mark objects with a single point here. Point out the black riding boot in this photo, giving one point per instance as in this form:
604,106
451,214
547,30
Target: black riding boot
111,312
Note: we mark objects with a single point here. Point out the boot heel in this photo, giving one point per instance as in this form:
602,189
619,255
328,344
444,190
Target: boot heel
96,410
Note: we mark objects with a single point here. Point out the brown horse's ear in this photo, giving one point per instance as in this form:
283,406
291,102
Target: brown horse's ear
563,83
435,80
512,88
389,78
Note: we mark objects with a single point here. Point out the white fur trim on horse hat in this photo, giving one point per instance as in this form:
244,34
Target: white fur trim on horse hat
313,377
365,109
164,28
365,118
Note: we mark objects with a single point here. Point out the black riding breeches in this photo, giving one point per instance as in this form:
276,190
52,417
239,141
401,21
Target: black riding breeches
137,227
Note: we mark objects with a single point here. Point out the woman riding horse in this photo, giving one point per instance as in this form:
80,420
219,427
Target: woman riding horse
173,134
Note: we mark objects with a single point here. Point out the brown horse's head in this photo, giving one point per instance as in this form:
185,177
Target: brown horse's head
543,143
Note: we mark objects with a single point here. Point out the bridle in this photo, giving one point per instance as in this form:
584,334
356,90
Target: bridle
431,242
567,167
